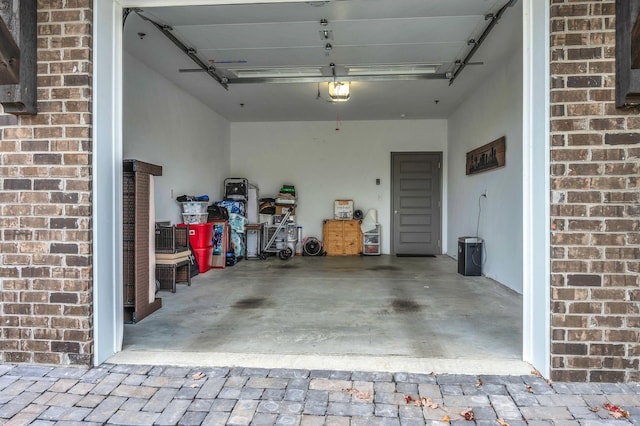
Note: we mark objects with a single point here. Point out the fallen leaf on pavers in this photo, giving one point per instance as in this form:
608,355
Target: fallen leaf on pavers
426,402
617,415
429,403
529,388
501,422
357,393
432,374
479,383
615,411
445,419
408,399
538,374
363,395
199,375
467,414
595,409
195,385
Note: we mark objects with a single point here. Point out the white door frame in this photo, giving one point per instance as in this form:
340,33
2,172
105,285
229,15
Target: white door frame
536,239
108,315
107,168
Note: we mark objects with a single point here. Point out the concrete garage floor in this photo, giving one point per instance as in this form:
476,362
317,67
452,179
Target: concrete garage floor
372,313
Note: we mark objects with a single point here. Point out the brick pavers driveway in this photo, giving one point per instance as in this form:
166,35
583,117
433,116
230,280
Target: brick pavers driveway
165,395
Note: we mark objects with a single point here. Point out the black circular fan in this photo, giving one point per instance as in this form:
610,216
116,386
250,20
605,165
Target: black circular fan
312,247
357,214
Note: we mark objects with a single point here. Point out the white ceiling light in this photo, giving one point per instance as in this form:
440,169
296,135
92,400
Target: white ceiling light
339,91
392,69
277,72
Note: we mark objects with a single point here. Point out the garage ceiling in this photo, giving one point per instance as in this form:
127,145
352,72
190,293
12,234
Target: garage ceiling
366,33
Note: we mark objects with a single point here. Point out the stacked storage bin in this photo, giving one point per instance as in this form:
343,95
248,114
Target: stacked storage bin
194,212
200,238
200,232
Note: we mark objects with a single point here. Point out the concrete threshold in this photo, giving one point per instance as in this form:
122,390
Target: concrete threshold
509,367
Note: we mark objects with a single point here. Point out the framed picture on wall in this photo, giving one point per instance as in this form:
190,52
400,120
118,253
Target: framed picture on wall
487,157
220,243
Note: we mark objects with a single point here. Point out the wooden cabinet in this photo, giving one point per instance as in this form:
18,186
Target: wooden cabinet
342,237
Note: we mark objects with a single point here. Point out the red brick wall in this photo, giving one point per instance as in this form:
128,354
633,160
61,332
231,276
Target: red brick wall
45,200
595,209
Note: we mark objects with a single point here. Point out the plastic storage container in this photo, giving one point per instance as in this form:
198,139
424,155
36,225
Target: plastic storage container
204,258
195,207
192,218
200,234
371,242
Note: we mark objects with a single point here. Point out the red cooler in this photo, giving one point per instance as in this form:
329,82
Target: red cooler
204,256
200,235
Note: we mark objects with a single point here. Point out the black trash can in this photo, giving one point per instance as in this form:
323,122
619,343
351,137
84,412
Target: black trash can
470,256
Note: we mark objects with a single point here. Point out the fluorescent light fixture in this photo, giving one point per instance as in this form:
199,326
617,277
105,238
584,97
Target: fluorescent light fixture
339,91
392,69
277,72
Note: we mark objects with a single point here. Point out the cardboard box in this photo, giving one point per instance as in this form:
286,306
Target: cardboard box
284,209
343,209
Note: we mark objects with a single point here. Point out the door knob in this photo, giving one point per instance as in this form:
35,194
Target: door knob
395,212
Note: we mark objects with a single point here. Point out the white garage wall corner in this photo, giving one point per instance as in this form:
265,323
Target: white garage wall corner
492,111
326,164
164,125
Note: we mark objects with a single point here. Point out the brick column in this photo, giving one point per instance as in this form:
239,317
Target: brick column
594,202
45,200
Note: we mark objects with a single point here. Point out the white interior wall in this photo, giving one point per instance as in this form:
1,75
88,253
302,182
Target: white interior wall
492,111
164,125
325,164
